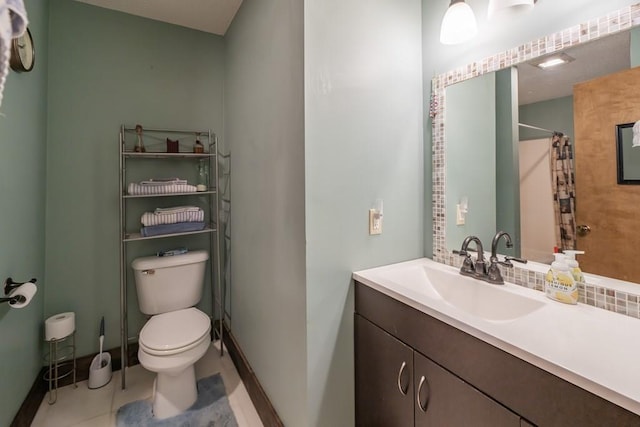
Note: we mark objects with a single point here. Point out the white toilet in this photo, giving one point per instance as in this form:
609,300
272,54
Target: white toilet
178,334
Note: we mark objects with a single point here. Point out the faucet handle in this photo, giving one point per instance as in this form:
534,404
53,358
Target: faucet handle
505,263
467,269
513,258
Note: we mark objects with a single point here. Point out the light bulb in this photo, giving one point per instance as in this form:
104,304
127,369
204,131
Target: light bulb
458,24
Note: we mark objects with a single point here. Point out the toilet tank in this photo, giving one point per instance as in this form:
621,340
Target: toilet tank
169,283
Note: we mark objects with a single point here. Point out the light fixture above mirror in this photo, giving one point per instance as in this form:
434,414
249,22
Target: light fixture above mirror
552,61
459,24
501,6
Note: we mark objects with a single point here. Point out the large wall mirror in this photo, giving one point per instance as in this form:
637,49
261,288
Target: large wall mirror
517,135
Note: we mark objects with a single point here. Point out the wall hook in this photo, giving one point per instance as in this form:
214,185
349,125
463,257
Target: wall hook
10,285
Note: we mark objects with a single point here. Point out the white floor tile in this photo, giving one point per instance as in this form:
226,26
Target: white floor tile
209,364
41,415
75,405
101,421
82,407
243,408
139,386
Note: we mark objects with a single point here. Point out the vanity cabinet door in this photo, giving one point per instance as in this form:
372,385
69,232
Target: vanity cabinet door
442,399
384,369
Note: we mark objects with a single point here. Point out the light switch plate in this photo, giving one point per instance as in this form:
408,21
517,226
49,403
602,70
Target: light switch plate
375,222
459,215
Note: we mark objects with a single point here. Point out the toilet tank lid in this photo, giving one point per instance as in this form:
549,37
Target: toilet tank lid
149,262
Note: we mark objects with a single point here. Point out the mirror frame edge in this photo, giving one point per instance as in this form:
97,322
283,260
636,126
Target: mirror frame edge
618,21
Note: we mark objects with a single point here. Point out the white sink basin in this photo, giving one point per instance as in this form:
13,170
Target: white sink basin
443,283
491,302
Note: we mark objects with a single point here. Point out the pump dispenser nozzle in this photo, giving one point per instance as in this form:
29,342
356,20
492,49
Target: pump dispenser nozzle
560,263
560,257
571,254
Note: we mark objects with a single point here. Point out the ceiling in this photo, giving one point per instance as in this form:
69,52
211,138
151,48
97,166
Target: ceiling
211,16
594,59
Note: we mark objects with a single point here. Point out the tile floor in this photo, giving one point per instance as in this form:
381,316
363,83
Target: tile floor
82,407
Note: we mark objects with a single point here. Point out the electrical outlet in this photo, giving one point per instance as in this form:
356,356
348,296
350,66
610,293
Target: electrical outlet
375,222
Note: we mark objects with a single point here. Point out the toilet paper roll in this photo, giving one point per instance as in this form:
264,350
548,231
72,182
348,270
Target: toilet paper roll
27,291
59,326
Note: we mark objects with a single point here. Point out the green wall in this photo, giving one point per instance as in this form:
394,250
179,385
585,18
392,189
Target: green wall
507,159
264,125
635,47
554,114
364,114
470,129
109,68
23,122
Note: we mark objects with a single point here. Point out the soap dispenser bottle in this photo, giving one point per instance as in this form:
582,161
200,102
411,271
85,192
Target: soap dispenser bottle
574,267
559,284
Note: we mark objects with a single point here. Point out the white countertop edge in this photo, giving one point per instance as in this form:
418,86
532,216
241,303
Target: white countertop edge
547,365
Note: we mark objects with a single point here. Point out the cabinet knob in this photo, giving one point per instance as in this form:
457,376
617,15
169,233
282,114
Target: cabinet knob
423,380
400,372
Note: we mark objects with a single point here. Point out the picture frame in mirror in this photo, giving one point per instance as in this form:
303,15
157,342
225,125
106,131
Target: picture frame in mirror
628,153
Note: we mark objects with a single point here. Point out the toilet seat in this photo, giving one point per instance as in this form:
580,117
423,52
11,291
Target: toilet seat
174,332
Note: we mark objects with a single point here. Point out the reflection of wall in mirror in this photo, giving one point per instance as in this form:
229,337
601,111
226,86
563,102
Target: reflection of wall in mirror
537,223
536,201
554,114
471,158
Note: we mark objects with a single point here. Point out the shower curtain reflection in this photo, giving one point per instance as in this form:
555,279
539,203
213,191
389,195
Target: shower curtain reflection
563,182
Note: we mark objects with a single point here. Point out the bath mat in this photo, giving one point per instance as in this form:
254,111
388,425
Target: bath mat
211,409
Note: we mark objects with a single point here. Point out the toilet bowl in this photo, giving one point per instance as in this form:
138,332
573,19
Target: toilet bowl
169,345
177,334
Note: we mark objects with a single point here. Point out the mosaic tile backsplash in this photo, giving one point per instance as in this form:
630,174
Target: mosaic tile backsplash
595,295
598,296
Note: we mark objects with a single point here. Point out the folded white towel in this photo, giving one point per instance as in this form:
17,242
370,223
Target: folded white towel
140,190
176,209
151,218
163,181
13,23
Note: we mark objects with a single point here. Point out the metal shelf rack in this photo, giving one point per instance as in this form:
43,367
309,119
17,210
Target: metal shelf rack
126,237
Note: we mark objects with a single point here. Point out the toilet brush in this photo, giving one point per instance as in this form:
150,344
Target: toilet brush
100,368
101,361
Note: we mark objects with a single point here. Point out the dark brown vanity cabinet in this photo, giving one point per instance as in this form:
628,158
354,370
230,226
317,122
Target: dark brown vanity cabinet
384,377
397,386
467,382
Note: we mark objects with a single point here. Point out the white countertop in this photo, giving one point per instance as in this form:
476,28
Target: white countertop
595,349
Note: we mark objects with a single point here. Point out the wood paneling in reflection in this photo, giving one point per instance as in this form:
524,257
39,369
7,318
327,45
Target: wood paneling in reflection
611,210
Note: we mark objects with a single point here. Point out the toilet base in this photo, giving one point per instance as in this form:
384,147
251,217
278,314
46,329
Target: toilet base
174,394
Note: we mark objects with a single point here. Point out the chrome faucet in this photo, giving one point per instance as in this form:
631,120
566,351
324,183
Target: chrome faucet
469,268
479,268
493,272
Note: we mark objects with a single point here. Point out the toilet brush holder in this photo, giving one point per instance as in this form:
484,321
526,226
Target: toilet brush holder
100,375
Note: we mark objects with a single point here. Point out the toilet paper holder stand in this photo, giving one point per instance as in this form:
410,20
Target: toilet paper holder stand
9,285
